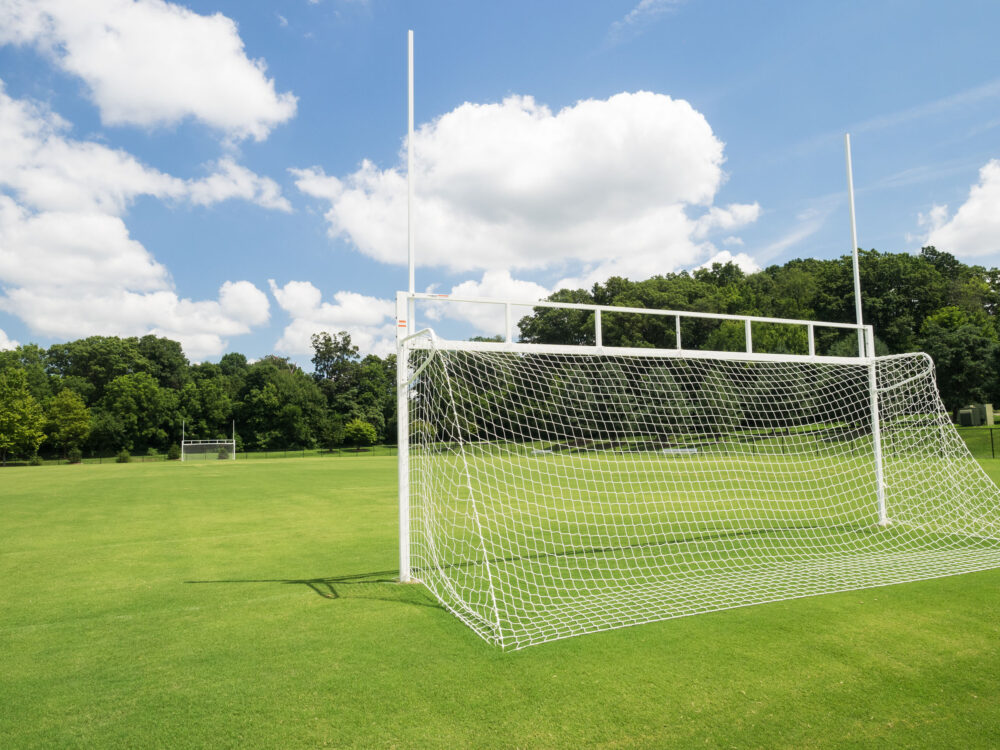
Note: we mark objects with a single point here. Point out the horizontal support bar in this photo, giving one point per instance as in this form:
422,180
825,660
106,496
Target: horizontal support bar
635,310
520,348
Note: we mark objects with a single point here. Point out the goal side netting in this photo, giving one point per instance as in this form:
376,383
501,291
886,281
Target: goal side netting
552,495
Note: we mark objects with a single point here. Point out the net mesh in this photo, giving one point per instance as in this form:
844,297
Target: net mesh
208,450
556,495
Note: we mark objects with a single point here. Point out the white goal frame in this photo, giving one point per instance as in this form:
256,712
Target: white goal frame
231,443
407,340
544,601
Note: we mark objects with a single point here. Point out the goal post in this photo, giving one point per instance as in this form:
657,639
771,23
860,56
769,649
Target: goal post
548,491
204,450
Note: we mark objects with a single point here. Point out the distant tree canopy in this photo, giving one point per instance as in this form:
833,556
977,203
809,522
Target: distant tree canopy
107,394
927,302
104,394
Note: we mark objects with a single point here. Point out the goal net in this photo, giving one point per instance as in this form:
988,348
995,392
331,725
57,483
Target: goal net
208,450
556,494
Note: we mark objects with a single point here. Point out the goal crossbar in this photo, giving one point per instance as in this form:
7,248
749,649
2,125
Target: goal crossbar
405,326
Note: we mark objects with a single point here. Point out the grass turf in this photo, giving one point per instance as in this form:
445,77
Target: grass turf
232,604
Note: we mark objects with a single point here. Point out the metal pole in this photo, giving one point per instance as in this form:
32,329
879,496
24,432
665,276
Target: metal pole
409,181
883,518
854,249
402,436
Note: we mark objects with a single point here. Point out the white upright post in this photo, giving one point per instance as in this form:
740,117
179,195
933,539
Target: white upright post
854,249
410,241
403,435
883,518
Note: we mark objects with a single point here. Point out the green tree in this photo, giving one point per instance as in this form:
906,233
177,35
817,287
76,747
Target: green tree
32,359
281,407
359,433
165,361
21,417
333,356
135,414
965,350
68,421
92,363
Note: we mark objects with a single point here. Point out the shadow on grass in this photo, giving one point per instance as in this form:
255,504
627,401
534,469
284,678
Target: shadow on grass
382,584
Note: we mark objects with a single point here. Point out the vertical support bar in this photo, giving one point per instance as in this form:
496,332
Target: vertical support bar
403,434
854,248
598,337
883,518
410,240
677,329
749,336
812,340
507,323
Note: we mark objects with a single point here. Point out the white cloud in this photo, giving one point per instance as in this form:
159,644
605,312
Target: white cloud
153,63
6,342
200,326
68,265
744,261
52,172
232,180
618,186
974,230
488,319
808,222
642,14
369,320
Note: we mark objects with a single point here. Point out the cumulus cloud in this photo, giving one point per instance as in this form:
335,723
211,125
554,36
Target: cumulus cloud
974,230
369,320
489,320
618,186
153,63
6,342
200,326
68,265
50,171
232,180
744,261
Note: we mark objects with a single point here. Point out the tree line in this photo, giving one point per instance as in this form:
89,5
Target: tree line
103,394
928,302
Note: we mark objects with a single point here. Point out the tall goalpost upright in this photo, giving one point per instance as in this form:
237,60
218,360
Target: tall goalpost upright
551,490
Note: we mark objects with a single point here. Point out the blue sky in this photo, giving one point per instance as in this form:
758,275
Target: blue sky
231,174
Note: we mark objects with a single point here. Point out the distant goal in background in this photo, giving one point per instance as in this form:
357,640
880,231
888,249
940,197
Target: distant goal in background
208,450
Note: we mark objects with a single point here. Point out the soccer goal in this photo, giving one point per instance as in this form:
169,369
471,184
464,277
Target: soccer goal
549,491
208,450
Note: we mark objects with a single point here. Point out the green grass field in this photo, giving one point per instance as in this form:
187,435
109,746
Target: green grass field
251,604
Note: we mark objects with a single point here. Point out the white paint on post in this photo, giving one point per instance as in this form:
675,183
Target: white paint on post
410,221
854,247
883,517
402,433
